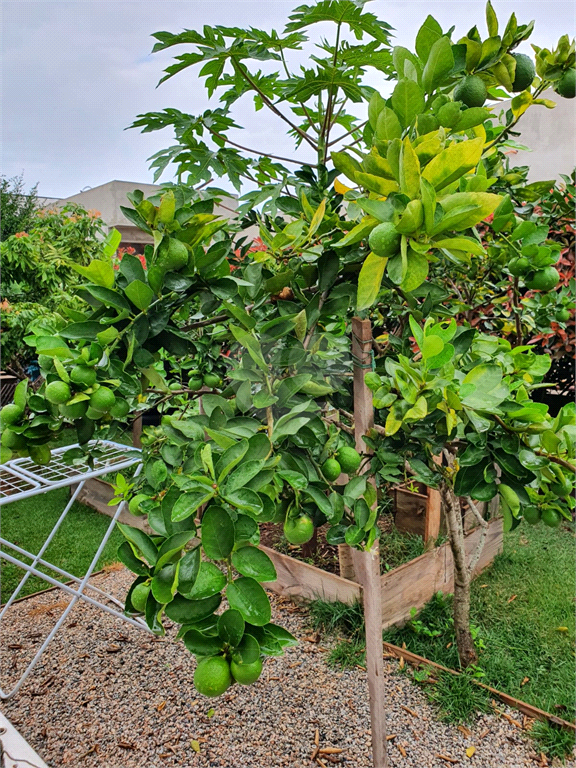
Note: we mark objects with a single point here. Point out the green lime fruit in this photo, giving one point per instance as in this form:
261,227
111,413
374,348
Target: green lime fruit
83,375
40,454
120,409
134,504
563,315
525,72
384,240
567,84
449,114
172,255
211,380
57,392
10,414
439,102
246,674
139,597
299,530
195,383
550,517
544,279
471,91
102,399
349,459
46,363
12,441
5,454
331,470
519,266
212,676
74,411
93,414
531,514
562,487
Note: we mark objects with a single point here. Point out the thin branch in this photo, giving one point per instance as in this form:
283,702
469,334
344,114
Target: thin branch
344,135
557,460
270,105
310,333
252,151
517,310
203,323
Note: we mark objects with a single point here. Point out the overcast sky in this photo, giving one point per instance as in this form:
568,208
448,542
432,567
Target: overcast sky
75,73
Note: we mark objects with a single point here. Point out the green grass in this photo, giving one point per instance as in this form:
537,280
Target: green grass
523,619
523,622
27,523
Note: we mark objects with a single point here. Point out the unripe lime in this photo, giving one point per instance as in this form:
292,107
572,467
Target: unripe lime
384,240
120,409
93,414
74,411
10,414
331,470
57,392
567,84
531,514
212,676
519,266
139,597
471,90
563,315
83,375
550,517
46,363
246,674
449,114
40,454
299,530
211,380
134,504
12,440
172,255
562,488
195,383
544,279
102,399
349,459
439,102
524,74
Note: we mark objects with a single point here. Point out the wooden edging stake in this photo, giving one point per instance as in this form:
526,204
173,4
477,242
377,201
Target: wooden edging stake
367,564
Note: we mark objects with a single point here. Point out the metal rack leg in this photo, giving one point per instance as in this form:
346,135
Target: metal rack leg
77,595
37,558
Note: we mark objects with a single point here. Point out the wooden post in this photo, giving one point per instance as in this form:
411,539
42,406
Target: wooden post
345,562
433,514
137,432
367,564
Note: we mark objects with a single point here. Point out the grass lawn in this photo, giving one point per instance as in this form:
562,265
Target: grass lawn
522,614
27,523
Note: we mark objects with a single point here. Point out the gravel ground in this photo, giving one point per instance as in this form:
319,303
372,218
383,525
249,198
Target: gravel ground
106,695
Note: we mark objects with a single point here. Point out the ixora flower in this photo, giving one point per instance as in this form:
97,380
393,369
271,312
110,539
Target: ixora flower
21,234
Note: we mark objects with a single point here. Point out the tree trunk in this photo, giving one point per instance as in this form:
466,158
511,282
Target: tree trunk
311,547
462,577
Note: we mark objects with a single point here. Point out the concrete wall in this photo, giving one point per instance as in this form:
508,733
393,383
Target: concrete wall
550,134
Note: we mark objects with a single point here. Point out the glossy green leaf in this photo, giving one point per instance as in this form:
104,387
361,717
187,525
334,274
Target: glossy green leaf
253,562
407,101
248,597
184,611
201,644
388,126
369,280
172,546
209,580
439,63
126,555
164,584
217,533
141,541
417,271
189,571
140,294
98,272
231,627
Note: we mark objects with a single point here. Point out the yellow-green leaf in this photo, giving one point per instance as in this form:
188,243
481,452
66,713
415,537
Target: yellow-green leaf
465,209
378,166
418,411
491,20
388,126
393,422
440,62
412,218
346,164
429,202
369,280
520,103
358,233
461,244
453,162
300,325
317,218
409,170
416,272
407,101
376,183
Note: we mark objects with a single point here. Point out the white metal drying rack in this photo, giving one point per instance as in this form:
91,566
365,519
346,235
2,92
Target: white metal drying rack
22,479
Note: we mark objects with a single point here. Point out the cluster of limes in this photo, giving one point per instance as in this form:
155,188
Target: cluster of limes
536,279
198,380
100,399
345,460
215,674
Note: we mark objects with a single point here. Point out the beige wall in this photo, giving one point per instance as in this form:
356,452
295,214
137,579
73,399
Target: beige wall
550,134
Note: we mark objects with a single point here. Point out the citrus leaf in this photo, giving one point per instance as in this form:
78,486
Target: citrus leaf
369,280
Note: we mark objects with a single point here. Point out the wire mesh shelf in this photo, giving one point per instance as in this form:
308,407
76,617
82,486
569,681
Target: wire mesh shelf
12,484
59,473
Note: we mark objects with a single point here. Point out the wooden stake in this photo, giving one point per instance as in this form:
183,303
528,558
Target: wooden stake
367,564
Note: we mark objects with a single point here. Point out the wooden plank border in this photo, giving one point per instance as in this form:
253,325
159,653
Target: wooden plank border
521,706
